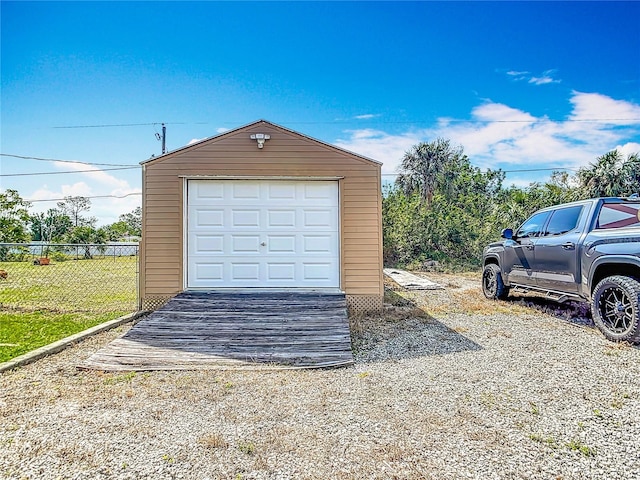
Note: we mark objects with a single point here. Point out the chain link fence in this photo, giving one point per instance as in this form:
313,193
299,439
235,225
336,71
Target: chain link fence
69,277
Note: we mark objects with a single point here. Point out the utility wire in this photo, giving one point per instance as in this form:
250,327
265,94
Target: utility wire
506,171
61,173
381,122
94,196
119,125
65,161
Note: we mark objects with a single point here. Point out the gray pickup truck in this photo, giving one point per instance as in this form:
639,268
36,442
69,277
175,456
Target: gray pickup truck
587,251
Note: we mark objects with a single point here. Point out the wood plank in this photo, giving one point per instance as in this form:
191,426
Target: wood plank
235,329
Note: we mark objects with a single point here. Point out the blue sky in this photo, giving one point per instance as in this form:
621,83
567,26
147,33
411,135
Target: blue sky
519,85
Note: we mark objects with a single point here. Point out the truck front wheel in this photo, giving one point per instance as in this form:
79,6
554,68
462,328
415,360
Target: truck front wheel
492,285
615,306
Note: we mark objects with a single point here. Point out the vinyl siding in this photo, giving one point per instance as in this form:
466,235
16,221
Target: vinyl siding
286,154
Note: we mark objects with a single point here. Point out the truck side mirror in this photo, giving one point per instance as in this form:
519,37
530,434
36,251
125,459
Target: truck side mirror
507,233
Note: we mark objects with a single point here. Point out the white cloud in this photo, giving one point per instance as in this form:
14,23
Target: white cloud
598,108
194,140
500,136
515,73
543,79
629,148
366,116
379,145
94,173
96,184
222,129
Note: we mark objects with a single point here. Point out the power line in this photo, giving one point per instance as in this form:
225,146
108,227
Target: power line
507,171
119,125
381,122
60,173
65,161
94,196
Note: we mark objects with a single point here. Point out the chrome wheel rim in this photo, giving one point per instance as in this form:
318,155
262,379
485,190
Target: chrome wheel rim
489,282
616,310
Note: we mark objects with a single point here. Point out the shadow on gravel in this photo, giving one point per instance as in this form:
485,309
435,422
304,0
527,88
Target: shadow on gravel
403,331
577,313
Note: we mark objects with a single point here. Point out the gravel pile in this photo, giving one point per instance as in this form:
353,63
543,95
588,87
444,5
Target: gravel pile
458,388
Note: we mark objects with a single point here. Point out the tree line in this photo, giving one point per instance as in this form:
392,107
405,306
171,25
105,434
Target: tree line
68,223
441,208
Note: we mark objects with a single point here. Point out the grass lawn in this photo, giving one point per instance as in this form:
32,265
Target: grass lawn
22,332
98,285
42,304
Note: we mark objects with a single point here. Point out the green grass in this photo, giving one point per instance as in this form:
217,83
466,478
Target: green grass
23,332
42,304
99,285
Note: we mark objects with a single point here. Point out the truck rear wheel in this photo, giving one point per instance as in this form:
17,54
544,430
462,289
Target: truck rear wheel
492,285
615,306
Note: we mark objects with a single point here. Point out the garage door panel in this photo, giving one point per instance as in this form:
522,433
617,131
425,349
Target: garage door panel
319,191
317,271
245,218
208,244
245,190
209,271
318,244
277,218
208,190
208,217
260,233
243,244
281,244
279,191
245,271
316,217
281,271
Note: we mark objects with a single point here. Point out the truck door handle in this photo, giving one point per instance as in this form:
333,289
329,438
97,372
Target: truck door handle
568,246
529,247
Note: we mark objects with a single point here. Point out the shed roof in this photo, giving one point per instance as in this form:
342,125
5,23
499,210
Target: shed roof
253,124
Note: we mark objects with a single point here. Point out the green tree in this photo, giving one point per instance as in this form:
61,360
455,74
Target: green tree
73,207
424,166
14,215
133,220
87,236
117,230
451,224
612,175
51,226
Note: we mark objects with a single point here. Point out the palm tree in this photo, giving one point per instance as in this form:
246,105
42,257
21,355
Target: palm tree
422,166
631,173
612,175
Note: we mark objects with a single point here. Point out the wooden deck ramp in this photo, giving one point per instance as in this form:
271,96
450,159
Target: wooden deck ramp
237,329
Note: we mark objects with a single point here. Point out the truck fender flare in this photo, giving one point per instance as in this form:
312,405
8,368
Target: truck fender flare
608,260
492,256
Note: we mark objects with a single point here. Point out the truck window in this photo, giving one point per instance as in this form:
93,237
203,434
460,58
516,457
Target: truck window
533,226
618,215
563,220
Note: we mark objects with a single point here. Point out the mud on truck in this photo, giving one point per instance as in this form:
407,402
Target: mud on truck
586,251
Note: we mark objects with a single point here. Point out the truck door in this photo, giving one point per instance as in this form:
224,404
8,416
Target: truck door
556,265
519,253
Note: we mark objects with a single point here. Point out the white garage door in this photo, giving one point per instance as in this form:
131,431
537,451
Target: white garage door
262,233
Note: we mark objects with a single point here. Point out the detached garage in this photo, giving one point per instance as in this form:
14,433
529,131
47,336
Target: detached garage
261,207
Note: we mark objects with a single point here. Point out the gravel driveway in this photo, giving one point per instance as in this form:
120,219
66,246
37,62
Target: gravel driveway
459,388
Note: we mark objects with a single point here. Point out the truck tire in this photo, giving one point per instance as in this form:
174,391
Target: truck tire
492,285
615,306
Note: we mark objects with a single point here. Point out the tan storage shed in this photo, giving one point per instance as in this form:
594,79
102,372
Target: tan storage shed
261,207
